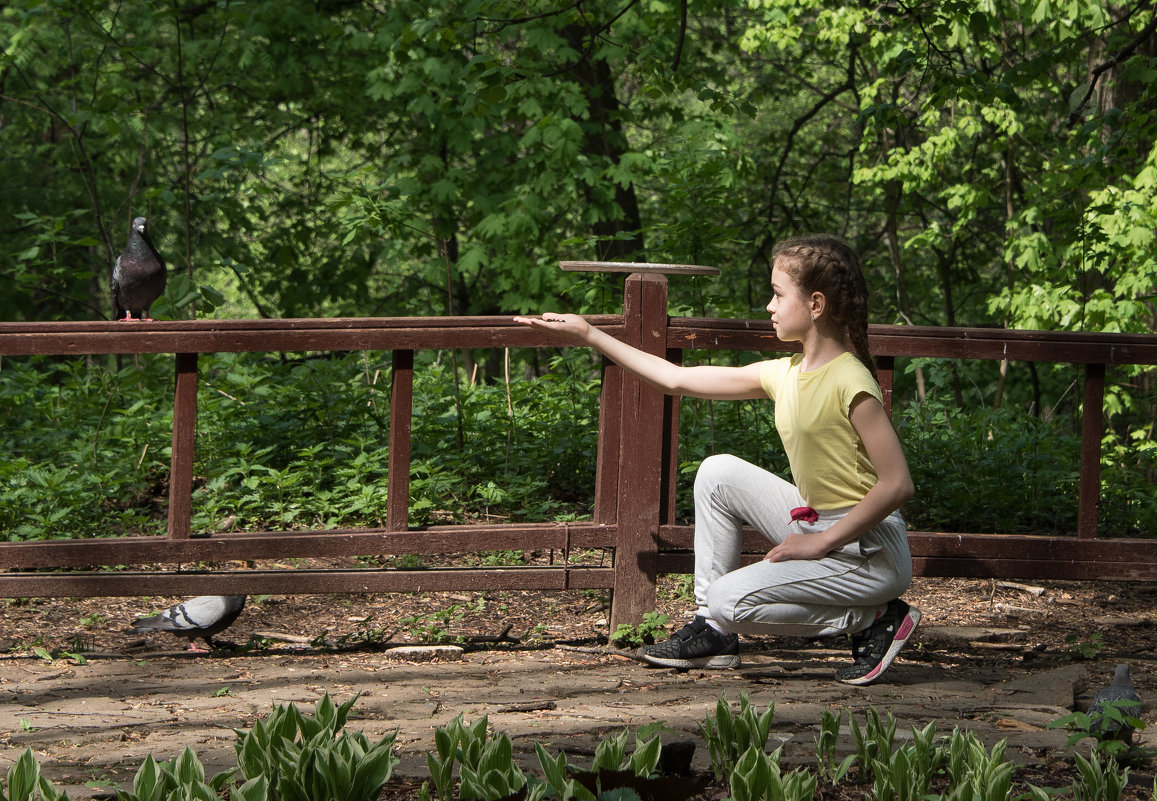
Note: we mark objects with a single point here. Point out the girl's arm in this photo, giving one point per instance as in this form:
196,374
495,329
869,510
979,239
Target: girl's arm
701,381
892,490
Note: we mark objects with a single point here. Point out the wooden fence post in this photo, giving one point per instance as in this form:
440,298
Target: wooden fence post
1092,411
184,442
401,422
643,409
607,460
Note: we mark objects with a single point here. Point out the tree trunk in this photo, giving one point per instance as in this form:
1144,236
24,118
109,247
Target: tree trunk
606,141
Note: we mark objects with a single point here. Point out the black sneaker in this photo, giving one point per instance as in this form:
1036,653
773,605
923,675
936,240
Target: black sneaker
696,645
874,648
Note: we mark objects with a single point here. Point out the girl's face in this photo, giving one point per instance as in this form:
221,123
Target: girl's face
790,309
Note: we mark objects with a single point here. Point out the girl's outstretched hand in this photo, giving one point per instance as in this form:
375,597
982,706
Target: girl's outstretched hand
572,325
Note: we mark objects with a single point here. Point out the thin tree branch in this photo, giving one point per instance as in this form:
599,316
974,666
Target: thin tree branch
798,125
1096,73
682,36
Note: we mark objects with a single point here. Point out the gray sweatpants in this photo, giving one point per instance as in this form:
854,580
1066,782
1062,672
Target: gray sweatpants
840,593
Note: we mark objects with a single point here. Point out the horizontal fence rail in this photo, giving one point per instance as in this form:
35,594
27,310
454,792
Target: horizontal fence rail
633,515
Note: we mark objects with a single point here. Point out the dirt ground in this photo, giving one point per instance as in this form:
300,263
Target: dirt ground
999,659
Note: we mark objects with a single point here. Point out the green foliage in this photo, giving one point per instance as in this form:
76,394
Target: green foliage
25,782
1097,781
485,764
316,766
302,758
873,742
1098,728
828,768
89,446
488,772
181,777
1084,650
906,773
1128,468
433,627
611,754
995,163
990,470
975,773
629,635
729,734
88,450
756,776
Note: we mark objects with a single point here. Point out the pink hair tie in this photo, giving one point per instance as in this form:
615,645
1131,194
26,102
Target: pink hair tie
804,513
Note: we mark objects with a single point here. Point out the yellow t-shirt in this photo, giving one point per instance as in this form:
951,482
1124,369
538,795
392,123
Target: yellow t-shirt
828,462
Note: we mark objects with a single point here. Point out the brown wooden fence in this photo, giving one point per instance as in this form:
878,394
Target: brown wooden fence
635,482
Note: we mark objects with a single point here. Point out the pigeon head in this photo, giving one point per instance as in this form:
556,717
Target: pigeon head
139,224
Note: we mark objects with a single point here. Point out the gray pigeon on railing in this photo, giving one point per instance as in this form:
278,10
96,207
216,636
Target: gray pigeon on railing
138,276
199,617
1121,696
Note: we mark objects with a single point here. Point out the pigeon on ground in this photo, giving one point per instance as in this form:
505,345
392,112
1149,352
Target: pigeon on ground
1121,695
199,617
138,277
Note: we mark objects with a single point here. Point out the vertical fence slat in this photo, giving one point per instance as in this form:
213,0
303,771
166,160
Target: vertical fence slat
671,406
886,371
607,459
640,455
1090,488
184,442
401,423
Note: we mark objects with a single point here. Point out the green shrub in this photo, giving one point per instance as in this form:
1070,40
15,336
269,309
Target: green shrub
989,470
289,755
302,758
299,441
729,734
182,777
25,783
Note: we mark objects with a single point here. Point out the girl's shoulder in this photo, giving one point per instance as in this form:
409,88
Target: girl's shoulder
773,372
853,377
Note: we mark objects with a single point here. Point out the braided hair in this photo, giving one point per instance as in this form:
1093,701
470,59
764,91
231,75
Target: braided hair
827,264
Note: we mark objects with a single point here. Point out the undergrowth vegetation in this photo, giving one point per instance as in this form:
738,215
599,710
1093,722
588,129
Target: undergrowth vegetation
292,756
299,441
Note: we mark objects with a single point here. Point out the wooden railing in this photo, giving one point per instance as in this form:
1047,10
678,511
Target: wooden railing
634,503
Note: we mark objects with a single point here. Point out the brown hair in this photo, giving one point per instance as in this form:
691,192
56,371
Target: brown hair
827,264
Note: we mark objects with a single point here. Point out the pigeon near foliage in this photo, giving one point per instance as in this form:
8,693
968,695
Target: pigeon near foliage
138,276
196,618
1120,696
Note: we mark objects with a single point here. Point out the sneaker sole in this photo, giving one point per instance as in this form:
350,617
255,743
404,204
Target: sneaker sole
717,662
911,621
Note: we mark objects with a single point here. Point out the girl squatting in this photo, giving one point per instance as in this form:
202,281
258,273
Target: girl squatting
839,560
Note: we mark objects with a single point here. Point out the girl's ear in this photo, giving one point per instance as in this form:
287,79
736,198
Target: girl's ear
817,304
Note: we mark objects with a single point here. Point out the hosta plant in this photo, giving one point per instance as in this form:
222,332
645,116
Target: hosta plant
182,777
874,740
303,758
832,769
729,734
26,784
757,777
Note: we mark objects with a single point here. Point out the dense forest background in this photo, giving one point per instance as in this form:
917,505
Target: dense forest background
994,163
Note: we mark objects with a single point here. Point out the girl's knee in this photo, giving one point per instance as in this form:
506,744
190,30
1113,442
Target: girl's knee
720,604
715,467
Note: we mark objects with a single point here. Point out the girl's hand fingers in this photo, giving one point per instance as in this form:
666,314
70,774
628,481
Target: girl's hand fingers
570,325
